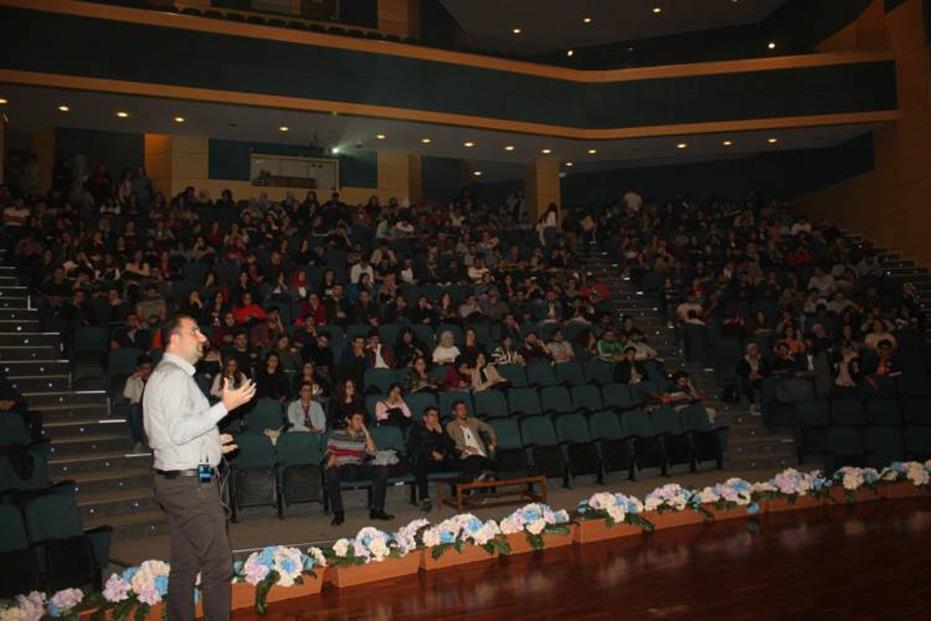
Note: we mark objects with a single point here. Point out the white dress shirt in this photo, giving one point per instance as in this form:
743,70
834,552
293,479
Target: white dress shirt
180,423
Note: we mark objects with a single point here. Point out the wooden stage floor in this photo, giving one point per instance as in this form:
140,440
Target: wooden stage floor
864,562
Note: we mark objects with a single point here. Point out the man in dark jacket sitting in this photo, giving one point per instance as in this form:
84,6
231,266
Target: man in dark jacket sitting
431,450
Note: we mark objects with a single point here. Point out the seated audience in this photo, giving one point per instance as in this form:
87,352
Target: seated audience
392,410
474,441
305,413
348,451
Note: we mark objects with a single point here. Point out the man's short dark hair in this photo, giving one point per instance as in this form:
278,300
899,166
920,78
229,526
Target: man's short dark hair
173,325
457,402
884,343
143,359
431,410
629,349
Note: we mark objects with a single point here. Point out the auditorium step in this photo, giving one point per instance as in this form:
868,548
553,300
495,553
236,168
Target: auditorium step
76,427
135,524
90,444
25,368
32,383
64,399
114,502
16,326
96,482
15,353
40,339
63,466
13,301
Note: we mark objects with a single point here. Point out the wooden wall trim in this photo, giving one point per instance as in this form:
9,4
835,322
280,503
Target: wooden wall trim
186,93
215,26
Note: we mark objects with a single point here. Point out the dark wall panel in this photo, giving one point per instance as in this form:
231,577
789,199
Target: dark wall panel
783,175
57,43
442,177
118,149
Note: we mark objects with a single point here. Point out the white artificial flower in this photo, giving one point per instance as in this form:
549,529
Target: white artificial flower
536,527
341,547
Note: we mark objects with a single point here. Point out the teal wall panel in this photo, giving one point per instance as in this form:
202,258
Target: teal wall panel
71,45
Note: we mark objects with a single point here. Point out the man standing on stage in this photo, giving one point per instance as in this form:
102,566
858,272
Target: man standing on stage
182,431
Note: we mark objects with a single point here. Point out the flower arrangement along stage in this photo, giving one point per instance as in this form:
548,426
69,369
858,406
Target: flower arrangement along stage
279,572
536,525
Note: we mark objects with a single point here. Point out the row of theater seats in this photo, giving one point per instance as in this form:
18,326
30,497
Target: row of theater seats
43,544
849,432
563,447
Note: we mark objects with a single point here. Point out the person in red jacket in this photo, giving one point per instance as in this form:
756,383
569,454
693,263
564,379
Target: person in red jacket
248,311
379,355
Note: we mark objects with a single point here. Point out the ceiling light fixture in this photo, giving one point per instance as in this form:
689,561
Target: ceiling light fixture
3,101
122,115
546,151
477,173
425,140
335,150
509,147
468,145
64,108
682,145
586,20
592,151
283,128
380,136
657,9
727,143
771,45
569,164
772,140
179,119
516,30
570,53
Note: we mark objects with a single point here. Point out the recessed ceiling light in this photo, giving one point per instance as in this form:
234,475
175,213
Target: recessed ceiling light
516,30
380,136
283,128
657,9
425,140
477,173
546,151
63,108
179,119
569,164
3,101
586,20
592,151
727,143
335,150
122,115
570,53
509,147
772,140
682,145
771,45
468,145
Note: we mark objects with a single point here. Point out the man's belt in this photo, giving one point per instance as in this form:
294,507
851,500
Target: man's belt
177,474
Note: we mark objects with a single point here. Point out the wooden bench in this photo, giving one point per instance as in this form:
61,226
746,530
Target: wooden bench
494,493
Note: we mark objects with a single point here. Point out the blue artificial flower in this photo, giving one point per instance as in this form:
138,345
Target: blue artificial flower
129,573
753,508
237,567
267,556
446,537
161,585
287,565
366,540
53,610
196,596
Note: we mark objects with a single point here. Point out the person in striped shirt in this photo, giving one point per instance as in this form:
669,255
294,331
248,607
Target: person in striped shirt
347,452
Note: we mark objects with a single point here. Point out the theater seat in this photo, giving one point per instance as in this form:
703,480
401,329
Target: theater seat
648,448
540,440
510,460
265,414
580,451
299,468
810,431
677,442
709,443
844,447
883,445
617,451
19,569
254,477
